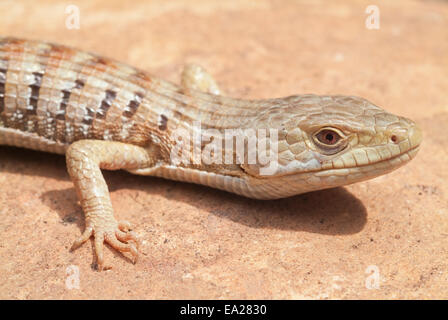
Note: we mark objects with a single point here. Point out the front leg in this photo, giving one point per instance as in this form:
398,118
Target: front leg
85,159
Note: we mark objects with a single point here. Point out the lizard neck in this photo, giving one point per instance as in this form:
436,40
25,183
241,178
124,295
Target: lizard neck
190,107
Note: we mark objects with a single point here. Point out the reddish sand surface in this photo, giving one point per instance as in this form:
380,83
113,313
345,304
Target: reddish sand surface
384,238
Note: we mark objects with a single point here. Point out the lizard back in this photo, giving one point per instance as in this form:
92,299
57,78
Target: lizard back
52,95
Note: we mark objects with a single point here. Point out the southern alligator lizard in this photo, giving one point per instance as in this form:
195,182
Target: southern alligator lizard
103,114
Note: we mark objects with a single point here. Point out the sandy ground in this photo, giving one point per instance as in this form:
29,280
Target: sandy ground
384,238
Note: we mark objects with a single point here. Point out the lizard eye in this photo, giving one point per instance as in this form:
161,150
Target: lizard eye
330,140
328,137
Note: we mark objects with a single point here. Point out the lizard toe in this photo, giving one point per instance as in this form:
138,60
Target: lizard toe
83,238
112,240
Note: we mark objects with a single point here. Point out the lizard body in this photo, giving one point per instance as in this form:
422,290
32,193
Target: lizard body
103,114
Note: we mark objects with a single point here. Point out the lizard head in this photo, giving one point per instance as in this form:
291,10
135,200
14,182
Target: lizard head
328,141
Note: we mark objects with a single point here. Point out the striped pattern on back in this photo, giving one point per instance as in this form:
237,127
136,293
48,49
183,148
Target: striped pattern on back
62,95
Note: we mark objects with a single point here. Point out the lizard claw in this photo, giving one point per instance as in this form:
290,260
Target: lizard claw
117,237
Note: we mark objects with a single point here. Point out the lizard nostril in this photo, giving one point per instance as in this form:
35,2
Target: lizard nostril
394,138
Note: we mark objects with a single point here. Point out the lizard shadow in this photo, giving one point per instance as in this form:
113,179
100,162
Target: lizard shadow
333,211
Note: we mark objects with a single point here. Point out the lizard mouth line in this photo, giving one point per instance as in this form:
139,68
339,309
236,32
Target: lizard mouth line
410,152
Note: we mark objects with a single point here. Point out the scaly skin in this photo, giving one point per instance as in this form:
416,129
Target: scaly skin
106,115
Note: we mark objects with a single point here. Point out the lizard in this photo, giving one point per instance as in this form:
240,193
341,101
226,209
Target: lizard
106,115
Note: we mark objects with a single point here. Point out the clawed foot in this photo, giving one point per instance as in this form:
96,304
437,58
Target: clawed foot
117,236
